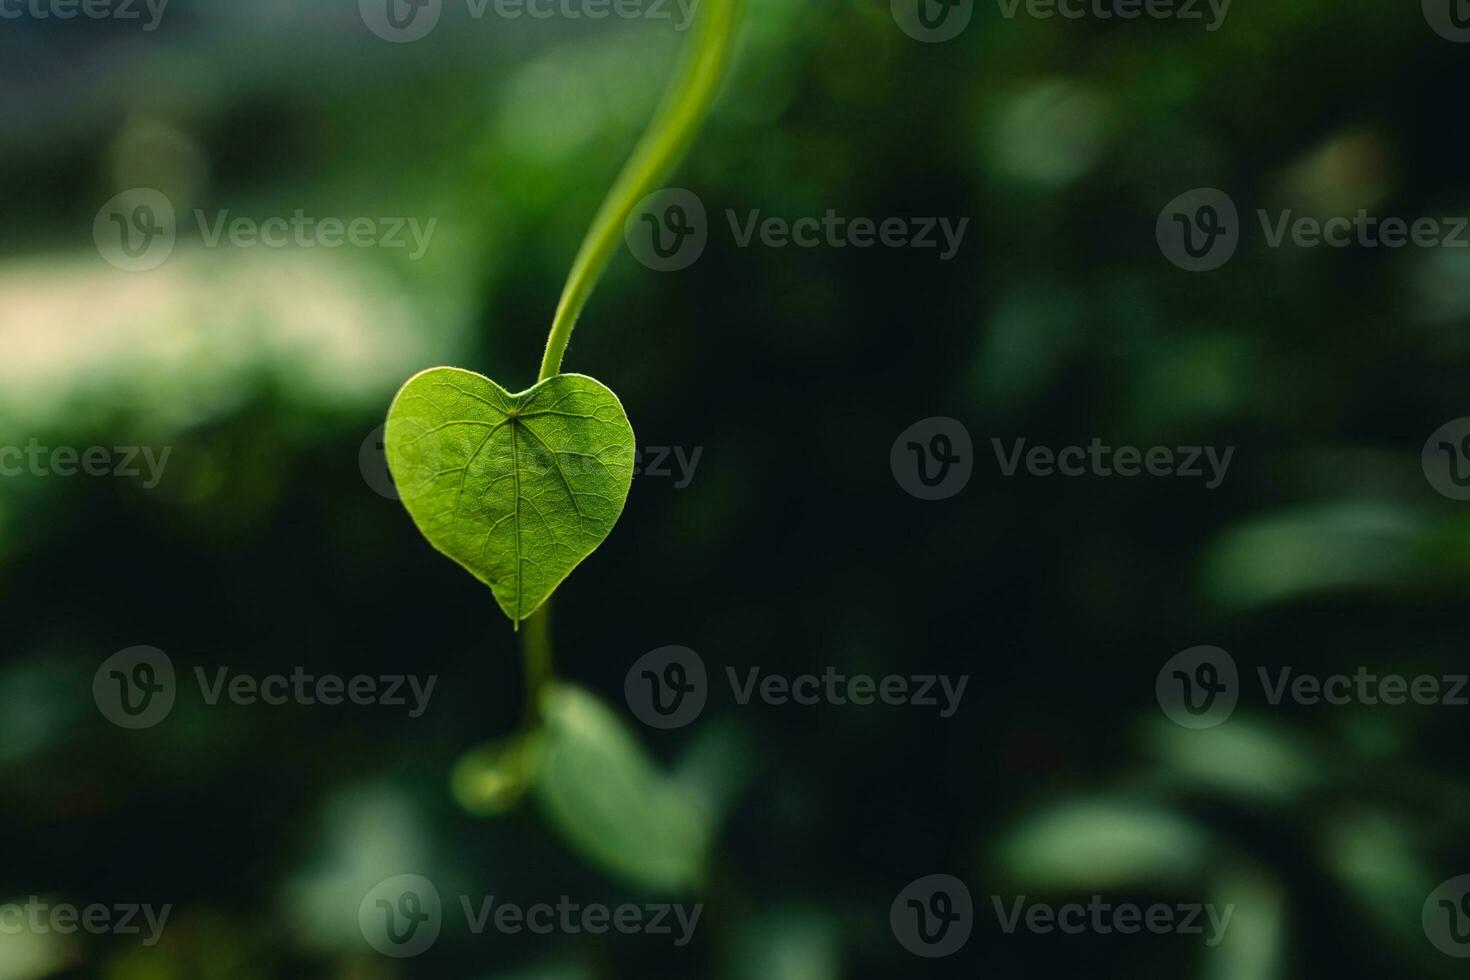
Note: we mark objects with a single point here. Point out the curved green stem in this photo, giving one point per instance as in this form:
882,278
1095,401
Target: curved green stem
685,104
537,650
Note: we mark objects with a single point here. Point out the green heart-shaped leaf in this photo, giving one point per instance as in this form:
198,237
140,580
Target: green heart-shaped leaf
611,802
516,488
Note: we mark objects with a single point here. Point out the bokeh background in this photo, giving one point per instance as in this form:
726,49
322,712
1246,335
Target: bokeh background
265,547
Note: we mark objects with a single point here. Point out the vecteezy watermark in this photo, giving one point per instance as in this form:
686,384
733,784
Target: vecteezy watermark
574,918
833,230
932,21
668,688
119,461
932,916
1364,687
403,916
124,10
138,229
372,462
1363,230
835,688
669,229
1199,687
1450,19
305,231
1101,917
661,462
1185,10
421,461
678,463
136,688
1446,917
124,919
1200,230
933,458
1446,459
404,21
1099,459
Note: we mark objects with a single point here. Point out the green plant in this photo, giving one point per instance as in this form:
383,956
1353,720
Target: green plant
520,488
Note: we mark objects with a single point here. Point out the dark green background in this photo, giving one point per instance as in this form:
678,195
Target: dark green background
793,548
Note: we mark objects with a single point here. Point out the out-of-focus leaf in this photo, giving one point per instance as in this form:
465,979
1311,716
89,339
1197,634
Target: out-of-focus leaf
788,944
27,955
1102,843
549,971
1251,945
1242,757
1374,855
717,766
367,834
491,779
609,801
1315,550
1052,133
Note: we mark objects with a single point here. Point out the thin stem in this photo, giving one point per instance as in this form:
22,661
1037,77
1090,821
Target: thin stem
537,650
685,104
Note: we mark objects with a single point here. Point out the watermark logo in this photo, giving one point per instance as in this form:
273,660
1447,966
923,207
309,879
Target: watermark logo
1446,459
1446,917
135,688
119,461
421,452
932,21
136,230
401,21
658,462
933,458
1449,18
837,231
574,918
1121,10
38,917
1103,918
123,10
401,917
1199,230
932,916
1099,459
1198,687
667,688
420,458
1363,687
1362,230
372,462
404,21
668,230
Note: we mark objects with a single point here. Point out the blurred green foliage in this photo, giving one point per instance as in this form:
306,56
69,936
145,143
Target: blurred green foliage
265,548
